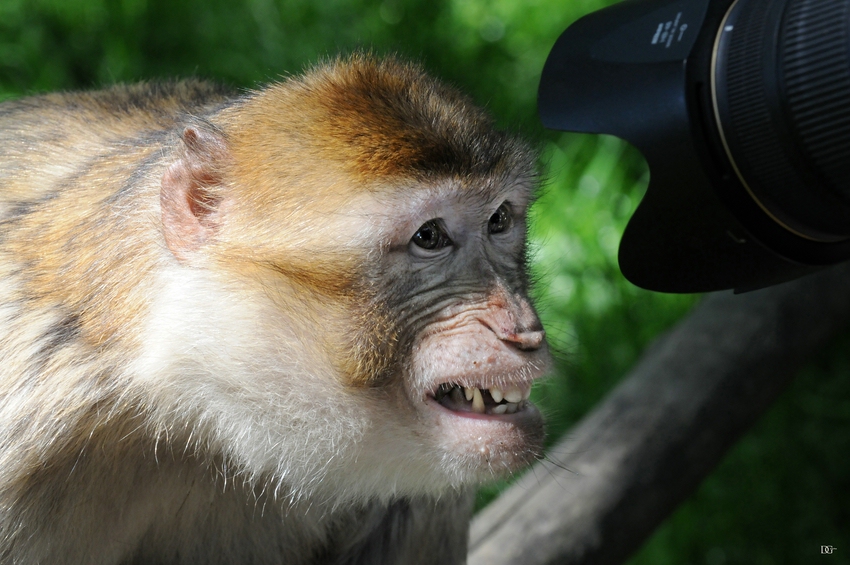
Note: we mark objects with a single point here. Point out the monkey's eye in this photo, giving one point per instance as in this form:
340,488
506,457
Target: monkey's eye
431,236
501,220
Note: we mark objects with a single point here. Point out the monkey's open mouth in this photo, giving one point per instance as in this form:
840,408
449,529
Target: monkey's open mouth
493,400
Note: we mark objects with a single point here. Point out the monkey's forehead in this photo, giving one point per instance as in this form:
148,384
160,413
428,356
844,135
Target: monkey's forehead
383,119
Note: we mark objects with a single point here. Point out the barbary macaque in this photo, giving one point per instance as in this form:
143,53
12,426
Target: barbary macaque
286,326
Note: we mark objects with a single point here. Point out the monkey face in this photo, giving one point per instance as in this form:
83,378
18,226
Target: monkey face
469,342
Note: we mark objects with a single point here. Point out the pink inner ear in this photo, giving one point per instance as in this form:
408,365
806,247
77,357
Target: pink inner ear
187,197
201,201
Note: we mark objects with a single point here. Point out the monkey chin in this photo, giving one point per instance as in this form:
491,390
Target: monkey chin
492,444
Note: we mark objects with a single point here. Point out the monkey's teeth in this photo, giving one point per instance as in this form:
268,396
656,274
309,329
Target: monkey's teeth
493,401
514,394
496,393
477,402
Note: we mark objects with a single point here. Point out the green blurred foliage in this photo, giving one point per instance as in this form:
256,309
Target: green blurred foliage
781,490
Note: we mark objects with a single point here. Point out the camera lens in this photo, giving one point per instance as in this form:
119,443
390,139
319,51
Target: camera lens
742,111
781,96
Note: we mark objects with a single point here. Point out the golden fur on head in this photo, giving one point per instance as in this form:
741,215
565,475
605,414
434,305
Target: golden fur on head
379,120
372,125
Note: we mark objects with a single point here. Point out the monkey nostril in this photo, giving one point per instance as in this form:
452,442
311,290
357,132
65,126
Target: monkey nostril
527,341
524,340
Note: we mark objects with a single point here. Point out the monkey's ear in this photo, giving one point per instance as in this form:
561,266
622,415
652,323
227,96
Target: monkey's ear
190,196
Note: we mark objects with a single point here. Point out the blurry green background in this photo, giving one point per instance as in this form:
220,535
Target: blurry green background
780,494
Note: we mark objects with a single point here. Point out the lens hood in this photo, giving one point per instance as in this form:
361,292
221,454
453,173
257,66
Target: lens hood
747,159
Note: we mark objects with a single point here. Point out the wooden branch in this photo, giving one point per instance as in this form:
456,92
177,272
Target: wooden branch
630,462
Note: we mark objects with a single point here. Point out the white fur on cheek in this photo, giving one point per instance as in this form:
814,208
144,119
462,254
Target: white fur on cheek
229,373
241,383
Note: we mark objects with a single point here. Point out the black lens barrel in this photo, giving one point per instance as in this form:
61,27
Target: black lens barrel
815,52
782,96
742,110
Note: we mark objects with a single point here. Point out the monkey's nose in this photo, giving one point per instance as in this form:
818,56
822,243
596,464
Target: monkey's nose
527,341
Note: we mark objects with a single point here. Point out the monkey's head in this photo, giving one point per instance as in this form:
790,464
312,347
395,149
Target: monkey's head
346,296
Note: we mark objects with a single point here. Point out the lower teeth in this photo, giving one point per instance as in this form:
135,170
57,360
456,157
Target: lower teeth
469,399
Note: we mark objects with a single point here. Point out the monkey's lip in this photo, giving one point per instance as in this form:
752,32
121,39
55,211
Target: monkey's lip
475,401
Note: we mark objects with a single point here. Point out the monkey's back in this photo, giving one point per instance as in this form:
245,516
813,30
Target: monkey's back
79,184
48,140
76,240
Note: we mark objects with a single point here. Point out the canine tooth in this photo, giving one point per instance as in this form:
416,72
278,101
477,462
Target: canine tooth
500,409
511,407
477,402
526,393
496,393
513,394
469,392
457,394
